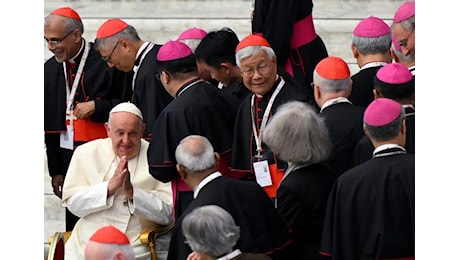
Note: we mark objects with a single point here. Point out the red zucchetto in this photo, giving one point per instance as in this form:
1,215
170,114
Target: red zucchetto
252,40
334,68
109,235
67,12
110,27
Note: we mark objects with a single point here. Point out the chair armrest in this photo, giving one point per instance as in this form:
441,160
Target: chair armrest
148,236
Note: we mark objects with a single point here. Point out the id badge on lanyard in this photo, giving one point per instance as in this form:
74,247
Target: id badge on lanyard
67,138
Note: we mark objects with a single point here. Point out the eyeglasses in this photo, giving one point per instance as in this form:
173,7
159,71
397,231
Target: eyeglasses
312,85
261,69
404,42
109,59
56,41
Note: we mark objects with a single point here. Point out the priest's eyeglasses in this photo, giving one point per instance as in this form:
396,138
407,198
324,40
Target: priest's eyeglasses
261,69
404,42
109,59
56,41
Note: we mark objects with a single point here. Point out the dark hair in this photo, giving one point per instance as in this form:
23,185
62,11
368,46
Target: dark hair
179,66
217,47
395,91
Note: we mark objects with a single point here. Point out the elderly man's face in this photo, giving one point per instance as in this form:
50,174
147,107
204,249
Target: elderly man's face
125,129
258,72
62,42
406,39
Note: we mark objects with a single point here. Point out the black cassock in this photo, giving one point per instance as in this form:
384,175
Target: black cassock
364,147
244,145
200,109
262,230
371,209
345,124
284,25
149,94
363,86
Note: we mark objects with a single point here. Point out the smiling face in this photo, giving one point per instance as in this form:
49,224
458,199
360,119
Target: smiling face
62,41
125,129
258,72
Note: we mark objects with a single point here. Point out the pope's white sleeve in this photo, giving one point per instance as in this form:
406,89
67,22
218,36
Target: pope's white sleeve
89,199
150,206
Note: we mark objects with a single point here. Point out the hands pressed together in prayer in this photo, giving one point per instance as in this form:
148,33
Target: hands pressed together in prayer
121,179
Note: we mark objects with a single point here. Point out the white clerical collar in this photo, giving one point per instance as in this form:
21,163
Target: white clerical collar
141,49
373,64
72,60
333,101
205,181
230,256
387,146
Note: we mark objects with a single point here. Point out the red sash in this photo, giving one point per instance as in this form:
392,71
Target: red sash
276,176
86,130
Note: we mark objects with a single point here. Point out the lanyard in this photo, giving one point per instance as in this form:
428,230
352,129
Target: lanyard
258,137
136,68
71,95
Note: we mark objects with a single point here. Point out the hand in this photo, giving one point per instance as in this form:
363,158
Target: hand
118,179
57,182
127,186
198,256
85,109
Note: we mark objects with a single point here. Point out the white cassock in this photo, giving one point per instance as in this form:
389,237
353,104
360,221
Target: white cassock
84,193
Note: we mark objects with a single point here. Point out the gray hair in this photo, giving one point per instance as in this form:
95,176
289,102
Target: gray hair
296,133
252,51
331,85
408,24
210,229
195,153
69,23
128,33
372,45
403,59
386,132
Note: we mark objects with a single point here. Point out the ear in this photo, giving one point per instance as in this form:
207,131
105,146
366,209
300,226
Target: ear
78,35
181,170
376,94
217,158
355,51
143,127
317,95
403,127
107,127
167,77
225,66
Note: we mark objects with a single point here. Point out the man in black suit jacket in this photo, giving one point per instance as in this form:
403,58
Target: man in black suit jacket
262,228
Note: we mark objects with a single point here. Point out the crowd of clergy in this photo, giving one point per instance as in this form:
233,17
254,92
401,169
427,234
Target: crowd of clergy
310,161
